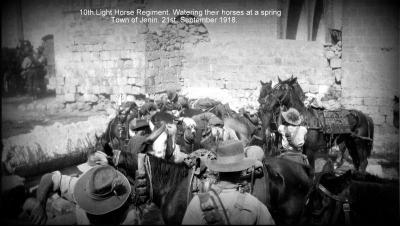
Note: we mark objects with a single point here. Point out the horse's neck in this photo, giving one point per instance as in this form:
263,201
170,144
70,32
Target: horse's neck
166,176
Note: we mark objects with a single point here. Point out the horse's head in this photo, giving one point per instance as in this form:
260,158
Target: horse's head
326,193
127,111
266,88
163,136
286,93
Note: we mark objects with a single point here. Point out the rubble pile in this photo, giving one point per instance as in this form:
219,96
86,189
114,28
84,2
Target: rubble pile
333,54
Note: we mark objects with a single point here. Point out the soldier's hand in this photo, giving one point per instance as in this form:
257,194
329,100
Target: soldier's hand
38,215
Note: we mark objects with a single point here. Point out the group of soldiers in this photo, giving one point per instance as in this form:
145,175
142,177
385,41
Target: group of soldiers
25,71
102,194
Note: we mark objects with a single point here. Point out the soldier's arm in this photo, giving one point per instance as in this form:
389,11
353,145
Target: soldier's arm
38,214
49,183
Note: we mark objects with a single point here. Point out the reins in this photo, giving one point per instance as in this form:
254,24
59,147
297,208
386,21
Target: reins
147,168
341,200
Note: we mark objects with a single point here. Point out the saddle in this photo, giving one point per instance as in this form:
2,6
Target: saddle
295,157
330,121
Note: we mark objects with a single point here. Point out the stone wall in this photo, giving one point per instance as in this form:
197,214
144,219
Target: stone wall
370,65
97,59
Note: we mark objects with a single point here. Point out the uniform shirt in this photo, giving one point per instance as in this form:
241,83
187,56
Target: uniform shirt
66,184
250,212
297,133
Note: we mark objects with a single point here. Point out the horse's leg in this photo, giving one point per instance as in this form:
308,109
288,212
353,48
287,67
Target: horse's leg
362,147
310,152
353,151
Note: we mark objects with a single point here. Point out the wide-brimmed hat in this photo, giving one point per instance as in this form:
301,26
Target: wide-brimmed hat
101,190
292,116
230,158
138,124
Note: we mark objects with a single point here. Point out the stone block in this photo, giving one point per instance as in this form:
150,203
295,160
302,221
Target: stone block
329,54
69,97
59,90
60,80
313,89
70,88
131,81
105,89
90,98
96,89
322,89
336,63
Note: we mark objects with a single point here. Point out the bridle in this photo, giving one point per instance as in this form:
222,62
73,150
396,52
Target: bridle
342,202
276,115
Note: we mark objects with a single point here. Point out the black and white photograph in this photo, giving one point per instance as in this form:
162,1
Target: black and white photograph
198,112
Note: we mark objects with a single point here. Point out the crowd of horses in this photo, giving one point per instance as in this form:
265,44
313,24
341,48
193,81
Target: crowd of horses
294,193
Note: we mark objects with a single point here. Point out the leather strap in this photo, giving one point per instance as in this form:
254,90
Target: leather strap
190,191
222,206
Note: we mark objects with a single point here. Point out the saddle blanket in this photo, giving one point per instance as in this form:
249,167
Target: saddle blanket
331,121
336,122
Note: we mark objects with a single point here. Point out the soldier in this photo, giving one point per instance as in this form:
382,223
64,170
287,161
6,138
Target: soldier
223,203
293,136
101,194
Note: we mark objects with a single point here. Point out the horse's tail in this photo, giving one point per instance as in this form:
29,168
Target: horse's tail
366,122
371,134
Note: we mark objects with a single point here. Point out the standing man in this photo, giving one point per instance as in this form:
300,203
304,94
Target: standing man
293,136
223,203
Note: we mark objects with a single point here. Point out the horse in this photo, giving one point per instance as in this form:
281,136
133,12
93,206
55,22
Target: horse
245,125
288,184
352,198
283,186
359,141
266,88
266,126
117,131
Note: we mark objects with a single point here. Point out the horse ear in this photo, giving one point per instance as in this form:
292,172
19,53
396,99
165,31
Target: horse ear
262,83
293,80
274,175
279,79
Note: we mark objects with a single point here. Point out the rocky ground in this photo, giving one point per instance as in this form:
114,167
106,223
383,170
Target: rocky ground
22,115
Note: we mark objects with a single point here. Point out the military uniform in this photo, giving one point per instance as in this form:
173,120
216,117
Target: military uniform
241,208
66,185
223,203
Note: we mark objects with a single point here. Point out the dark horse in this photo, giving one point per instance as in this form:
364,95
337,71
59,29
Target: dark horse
283,187
352,198
117,131
288,94
266,127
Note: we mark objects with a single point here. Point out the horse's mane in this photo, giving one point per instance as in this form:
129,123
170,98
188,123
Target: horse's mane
165,172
